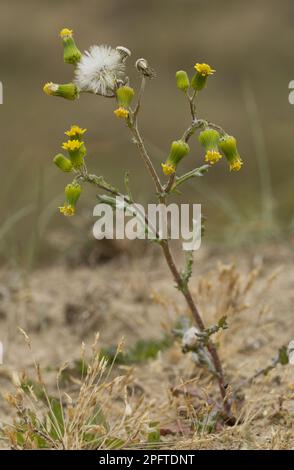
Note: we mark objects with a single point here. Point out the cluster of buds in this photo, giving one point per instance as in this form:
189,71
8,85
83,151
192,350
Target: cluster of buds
198,81
100,70
76,150
212,142
71,55
74,161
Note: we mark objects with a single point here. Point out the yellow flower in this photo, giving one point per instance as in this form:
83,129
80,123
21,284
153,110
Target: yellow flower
204,69
65,32
72,145
50,88
168,169
75,131
212,156
236,165
67,210
121,113
228,145
77,151
68,91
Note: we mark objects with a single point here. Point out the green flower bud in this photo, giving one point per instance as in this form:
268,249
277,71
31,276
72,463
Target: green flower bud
72,194
68,90
71,54
209,139
124,95
77,151
182,80
228,146
199,80
179,149
62,162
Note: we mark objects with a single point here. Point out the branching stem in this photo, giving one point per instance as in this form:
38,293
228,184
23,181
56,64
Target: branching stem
162,192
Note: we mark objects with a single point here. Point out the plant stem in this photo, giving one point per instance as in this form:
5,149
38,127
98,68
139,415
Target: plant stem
93,179
144,154
177,277
199,322
169,184
192,104
141,92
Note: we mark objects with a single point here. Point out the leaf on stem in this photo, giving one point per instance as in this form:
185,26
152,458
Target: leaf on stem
191,174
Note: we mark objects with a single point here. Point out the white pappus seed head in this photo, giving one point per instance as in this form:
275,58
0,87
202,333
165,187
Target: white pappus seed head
98,70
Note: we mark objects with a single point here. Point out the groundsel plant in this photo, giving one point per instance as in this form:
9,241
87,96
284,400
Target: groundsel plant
102,71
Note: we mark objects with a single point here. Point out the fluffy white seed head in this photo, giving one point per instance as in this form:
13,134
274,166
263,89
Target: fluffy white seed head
98,70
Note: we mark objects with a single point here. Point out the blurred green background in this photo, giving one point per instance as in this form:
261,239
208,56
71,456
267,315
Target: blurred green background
248,43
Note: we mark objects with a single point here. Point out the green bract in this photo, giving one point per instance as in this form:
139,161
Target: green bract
182,80
62,162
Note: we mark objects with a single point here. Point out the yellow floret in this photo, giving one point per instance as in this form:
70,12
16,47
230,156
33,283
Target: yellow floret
204,69
236,165
65,32
75,130
72,145
168,169
67,210
121,112
212,156
48,88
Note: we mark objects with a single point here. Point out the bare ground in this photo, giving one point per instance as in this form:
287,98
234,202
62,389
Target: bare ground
59,307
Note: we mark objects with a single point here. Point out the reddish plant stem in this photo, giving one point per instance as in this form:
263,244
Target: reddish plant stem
198,320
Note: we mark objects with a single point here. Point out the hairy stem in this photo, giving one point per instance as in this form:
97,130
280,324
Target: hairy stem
141,92
199,322
144,154
172,266
192,104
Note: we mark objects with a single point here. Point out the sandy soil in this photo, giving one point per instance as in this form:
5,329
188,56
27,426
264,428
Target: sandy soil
59,307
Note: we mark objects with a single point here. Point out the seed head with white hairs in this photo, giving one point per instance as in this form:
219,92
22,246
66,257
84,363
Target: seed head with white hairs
99,69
